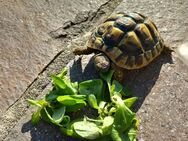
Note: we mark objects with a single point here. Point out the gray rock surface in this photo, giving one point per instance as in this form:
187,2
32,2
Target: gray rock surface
31,34
162,86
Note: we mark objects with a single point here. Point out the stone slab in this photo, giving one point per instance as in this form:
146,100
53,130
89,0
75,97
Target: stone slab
29,39
161,86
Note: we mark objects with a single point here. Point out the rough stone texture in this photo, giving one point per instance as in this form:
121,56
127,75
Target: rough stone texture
182,52
162,86
28,33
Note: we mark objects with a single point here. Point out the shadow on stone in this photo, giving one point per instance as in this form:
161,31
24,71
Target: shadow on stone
140,81
82,68
43,132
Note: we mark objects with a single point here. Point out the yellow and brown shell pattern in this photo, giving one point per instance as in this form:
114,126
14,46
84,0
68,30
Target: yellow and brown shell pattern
131,41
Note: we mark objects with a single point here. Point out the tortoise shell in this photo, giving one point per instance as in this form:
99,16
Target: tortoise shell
131,41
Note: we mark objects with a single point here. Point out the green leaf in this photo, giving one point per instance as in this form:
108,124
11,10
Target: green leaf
87,130
124,116
58,82
68,132
97,121
117,86
75,85
39,103
66,100
69,129
79,105
78,97
117,136
94,86
69,100
101,109
92,101
44,116
36,117
57,115
51,96
122,119
102,104
64,85
107,76
73,102
112,111
33,102
63,73
107,125
130,101
65,121
130,134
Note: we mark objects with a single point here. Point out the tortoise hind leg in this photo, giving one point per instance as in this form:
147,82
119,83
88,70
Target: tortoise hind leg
80,51
119,73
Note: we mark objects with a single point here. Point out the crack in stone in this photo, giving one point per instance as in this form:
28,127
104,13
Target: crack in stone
66,30
82,19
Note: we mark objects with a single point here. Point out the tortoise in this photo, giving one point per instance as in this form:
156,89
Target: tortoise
124,41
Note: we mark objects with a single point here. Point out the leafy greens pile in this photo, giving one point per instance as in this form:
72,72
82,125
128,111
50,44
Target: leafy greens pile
114,122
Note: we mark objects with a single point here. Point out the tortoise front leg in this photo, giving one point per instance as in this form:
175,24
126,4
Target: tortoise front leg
101,62
80,51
